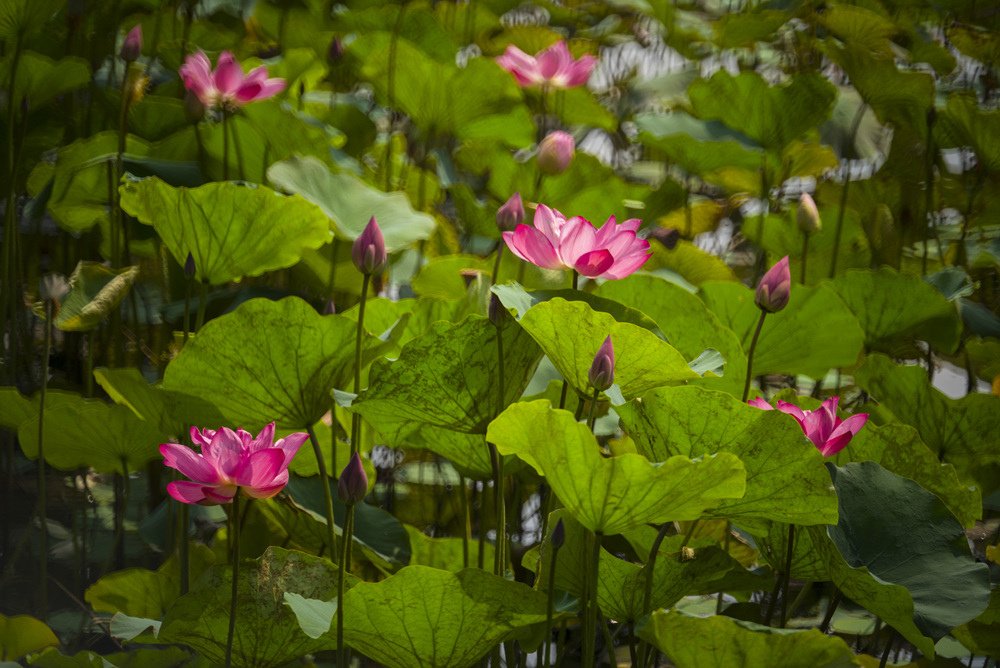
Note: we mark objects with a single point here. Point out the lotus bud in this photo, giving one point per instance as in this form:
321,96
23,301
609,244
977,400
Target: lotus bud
775,287
556,152
368,252
352,486
497,311
189,267
668,236
511,214
132,46
808,215
602,371
558,535
329,308
335,52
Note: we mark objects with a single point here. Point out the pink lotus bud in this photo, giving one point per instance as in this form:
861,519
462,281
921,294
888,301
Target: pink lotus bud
558,535
511,214
352,486
775,287
368,251
808,215
335,52
132,46
602,371
556,152
668,236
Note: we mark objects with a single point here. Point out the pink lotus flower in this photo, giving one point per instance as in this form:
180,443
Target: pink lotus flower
613,251
230,461
828,432
775,287
555,152
554,67
227,86
602,370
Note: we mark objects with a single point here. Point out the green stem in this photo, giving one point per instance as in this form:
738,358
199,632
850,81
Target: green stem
225,146
805,255
830,609
187,310
590,621
786,575
463,501
647,594
592,418
202,305
576,280
43,575
888,648
496,263
501,510
235,523
753,347
725,547
239,153
9,277
843,193
327,494
185,548
356,418
550,607
345,550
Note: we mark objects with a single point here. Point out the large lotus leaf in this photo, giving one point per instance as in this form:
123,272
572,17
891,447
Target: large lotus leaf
770,115
898,551
444,553
267,631
91,433
423,616
786,481
982,634
22,634
516,298
41,79
896,308
984,354
721,642
697,146
139,592
962,432
417,24
814,333
571,332
963,123
232,230
268,361
480,100
16,408
167,657
95,292
685,321
450,376
621,584
744,29
689,263
350,202
611,495
19,18
898,97
860,28
898,448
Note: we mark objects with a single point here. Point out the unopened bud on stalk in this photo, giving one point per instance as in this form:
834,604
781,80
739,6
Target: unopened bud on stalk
368,252
132,46
189,267
555,153
352,485
335,52
775,287
808,215
602,371
497,311
559,535
668,236
511,214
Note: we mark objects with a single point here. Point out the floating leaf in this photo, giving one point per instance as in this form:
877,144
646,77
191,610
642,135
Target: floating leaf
349,202
902,555
570,333
95,292
814,333
428,617
268,361
611,495
267,630
232,230
786,481
721,642
22,634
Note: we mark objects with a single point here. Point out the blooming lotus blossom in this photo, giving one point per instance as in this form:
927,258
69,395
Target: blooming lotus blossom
553,67
775,287
227,86
230,461
828,432
554,242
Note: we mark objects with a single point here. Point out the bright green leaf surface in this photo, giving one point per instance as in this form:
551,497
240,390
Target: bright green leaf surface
611,495
786,481
443,553
21,634
232,230
721,642
428,617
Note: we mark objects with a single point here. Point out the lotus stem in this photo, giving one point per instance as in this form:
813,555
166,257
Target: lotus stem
43,537
343,567
327,493
858,115
463,500
805,255
202,305
830,609
725,547
496,263
590,620
750,352
550,606
187,309
184,548
235,537
787,575
225,146
356,418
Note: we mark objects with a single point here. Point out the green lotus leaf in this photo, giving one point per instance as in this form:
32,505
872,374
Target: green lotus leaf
744,29
720,642
22,634
15,408
268,361
444,553
897,96
167,657
516,298
91,433
689,264
895,309
963,123
349,202
772,116
449,377
897,551
41,79
232,230
612,495
95,292
267,631
571,332
428,617
697,146
786,481
861,28
814,333
982,634
962,432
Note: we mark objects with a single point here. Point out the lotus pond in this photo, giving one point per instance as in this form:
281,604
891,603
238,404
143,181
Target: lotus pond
496,333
